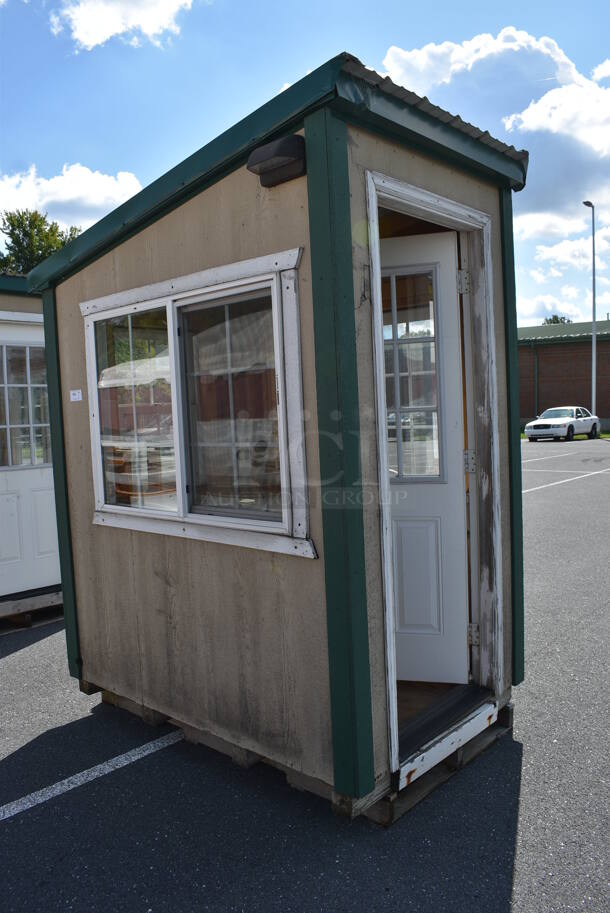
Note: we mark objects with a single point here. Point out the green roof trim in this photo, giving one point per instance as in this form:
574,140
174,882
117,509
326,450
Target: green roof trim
360,95
14,285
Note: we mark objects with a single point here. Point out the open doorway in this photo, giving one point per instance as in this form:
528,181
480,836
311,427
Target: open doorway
425,403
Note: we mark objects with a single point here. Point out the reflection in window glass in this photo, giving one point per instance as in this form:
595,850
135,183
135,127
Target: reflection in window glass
42,444
24,410
136,427
411,375
231,407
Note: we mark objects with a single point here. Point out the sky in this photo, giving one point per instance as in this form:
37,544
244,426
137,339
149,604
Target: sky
100,97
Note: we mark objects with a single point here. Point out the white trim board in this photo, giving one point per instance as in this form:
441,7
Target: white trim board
20,317
382,190
218,275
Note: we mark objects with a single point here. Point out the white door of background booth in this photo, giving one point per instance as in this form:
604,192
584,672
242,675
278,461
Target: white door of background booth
425,430
29,558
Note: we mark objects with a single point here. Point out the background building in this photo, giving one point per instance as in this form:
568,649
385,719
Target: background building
555,368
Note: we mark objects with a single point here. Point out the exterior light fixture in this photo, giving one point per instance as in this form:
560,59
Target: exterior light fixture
593,326
278,161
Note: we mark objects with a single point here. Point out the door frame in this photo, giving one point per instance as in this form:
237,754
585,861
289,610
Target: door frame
472,226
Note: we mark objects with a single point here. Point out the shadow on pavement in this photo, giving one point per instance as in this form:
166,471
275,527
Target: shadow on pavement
13,640
185,830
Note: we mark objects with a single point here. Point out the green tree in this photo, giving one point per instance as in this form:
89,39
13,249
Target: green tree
555,318
30,239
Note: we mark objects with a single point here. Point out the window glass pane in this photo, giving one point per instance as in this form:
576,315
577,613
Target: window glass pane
418,390
420,454
3,447
231,401
15,365
21,453
18,413
386,302
40,405
136,427
414,305
2,406
42,444
38,365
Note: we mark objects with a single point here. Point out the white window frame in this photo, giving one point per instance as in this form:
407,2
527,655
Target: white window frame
278,274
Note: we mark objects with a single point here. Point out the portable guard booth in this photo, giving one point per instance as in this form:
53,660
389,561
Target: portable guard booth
285,415
29,560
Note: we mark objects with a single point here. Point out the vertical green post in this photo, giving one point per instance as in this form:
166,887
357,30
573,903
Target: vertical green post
60,482
514,422
339,440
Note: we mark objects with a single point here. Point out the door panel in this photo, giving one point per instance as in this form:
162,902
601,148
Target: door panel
425,427
29,558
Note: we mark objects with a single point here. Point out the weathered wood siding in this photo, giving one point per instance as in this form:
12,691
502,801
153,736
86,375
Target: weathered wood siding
226,639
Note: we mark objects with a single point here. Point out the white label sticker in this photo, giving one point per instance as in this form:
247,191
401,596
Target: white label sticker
76,396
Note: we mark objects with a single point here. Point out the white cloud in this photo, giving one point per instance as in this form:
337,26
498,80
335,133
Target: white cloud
602,280
532,311
580,110
77,196
576,252
434,64
537,224
571,293
93,22
555,273
601,71
538,276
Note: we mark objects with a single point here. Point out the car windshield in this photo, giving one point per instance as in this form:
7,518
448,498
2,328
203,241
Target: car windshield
558,413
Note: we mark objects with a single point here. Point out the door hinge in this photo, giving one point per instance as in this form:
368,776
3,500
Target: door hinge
470,461
474,635
463,277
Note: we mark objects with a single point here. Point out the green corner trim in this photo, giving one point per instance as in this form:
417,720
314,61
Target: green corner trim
339,442
512,368
60,482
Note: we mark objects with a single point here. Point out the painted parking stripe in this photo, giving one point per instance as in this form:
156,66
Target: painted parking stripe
556,456
86,776
569,472
565,481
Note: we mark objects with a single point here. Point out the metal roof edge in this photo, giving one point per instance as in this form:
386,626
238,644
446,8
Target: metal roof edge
14,285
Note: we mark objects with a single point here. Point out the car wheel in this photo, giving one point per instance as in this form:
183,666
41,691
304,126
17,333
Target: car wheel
532,440
570,434
592,433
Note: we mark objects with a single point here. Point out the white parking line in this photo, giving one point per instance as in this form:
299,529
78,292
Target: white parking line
568,471
86,776
563,481
555,456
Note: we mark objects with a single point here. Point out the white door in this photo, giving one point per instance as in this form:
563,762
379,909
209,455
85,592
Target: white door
29,557
425,425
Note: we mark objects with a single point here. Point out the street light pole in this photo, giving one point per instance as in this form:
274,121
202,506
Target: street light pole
593,327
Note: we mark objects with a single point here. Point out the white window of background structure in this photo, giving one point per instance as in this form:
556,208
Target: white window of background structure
196,406
411,375
25,438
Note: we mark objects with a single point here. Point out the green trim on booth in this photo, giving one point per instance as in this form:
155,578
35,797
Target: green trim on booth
364,104
15,285
514,422
60,481
339,442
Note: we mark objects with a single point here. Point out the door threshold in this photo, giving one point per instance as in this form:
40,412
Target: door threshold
439,716
446,742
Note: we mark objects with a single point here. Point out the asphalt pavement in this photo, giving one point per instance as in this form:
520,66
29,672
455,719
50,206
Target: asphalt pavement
522,829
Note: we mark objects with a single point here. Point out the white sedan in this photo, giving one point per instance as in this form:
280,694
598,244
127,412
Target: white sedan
563,422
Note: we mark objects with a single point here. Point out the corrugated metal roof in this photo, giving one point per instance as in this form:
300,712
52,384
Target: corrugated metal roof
356,68
563,331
